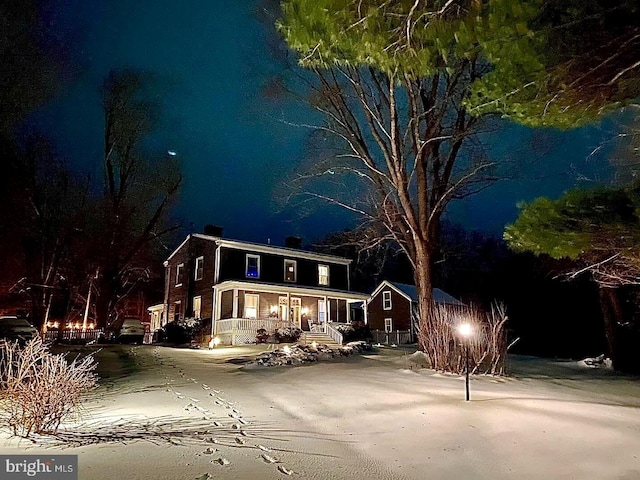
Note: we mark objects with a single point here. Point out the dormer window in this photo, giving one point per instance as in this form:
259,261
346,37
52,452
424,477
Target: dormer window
289,270
179,273
386,300
323,275
252,269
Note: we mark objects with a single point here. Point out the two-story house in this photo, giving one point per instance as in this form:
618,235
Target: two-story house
236,287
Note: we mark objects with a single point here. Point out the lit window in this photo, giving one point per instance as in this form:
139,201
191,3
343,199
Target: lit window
386,300
197,306
199,268
179,272
253,266
388,325
251,305
289,270
177,310
323,275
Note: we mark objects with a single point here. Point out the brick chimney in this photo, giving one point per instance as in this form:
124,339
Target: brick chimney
293,242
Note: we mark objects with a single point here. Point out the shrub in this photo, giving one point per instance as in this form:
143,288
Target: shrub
262,336
358,331
182,331
39,389
288,334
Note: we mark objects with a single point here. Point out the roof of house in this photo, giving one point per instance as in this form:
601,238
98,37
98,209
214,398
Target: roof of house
410,292
258,247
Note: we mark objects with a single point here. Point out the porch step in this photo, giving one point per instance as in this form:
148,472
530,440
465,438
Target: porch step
319,338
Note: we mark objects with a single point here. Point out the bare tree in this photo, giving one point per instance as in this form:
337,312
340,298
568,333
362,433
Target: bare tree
405,136
139,188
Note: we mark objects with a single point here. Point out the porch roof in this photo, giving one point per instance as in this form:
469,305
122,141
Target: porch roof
293,289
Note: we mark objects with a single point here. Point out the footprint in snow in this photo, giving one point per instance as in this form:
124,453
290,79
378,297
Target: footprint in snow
240,441
284,470
194,399
263,448
206,387
212,440
210,450
222,461
206,476
269,458
216,424
243,421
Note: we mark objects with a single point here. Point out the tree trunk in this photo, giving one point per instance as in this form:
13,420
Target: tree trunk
612,314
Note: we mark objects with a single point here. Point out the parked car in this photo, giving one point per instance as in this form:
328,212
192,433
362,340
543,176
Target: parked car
14,329
126,330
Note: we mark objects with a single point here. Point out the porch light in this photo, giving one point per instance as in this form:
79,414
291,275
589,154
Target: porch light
90,326
305,310
273,309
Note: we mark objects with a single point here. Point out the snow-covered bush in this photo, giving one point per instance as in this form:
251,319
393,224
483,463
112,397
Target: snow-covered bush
39,389
182,331
287,334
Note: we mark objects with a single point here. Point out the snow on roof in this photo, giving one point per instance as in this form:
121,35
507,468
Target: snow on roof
411,292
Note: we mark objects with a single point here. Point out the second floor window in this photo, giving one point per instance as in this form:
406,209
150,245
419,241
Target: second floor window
323,275
289,270
252,269
199,270
386,300
177,310
179,274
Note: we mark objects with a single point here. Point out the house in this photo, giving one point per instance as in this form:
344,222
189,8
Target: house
237,287
390,308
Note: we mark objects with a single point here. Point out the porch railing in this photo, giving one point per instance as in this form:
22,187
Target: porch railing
335,335
244,330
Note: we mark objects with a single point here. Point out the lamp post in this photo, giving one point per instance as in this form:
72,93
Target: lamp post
465,330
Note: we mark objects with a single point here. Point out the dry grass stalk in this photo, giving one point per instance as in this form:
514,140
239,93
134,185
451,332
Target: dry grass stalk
445,349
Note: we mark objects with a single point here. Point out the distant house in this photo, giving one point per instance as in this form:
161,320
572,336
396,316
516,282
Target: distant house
390,307
236,287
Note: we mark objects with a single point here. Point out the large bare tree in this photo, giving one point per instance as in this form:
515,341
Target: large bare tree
139,187
392,83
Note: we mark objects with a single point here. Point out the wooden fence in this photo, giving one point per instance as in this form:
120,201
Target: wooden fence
72,335
396,337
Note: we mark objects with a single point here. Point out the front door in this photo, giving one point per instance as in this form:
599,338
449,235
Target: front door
294,312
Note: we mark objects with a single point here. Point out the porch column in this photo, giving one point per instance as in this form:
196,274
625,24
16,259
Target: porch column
348,308
234,313
365,307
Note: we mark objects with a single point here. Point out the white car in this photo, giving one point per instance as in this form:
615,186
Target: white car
17,329
127,330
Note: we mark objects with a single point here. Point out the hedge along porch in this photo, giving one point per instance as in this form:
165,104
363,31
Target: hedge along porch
241,308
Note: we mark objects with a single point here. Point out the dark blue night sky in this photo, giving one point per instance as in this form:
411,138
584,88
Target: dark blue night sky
235,143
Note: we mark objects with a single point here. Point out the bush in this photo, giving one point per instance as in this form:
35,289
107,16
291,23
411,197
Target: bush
288,334
358,331
182,331
262,336
39,389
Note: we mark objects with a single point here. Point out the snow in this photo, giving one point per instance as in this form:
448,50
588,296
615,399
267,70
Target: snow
188,414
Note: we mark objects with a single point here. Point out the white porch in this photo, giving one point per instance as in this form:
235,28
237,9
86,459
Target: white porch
241,308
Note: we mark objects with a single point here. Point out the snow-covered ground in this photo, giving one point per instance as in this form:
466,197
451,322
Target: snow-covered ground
189,414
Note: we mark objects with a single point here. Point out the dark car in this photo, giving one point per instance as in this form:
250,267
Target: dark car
13,329
126,330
